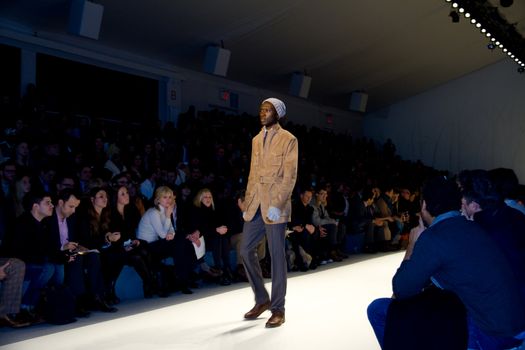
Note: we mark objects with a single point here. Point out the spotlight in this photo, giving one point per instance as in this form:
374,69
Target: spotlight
521,70
455,16
455,5
491,46
461,10
478,25
506,3
467,15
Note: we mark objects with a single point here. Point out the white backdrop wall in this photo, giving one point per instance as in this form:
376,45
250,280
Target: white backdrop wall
477,121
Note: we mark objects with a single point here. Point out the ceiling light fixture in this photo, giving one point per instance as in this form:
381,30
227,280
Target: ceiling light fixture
489,21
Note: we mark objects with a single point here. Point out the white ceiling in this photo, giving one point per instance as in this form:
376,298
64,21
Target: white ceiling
390,49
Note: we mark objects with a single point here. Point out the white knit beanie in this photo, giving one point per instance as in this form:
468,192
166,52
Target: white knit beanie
278,105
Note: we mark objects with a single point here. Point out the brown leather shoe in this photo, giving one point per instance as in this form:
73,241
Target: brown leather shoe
11,322
257,310
276,320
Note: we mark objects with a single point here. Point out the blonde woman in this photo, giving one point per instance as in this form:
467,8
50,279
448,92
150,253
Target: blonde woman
156,227
207,220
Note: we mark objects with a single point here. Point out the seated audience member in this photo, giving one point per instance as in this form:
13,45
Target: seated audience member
45,180
304,232
147,187
64,180
408,209
156,228
338,205
22,156
125,219
11,281
94,234
82,269
114,164
359,215
30,242
206,219
458,256
22,187
327,248
503,223
507,185
235,225
7,177
85,176
385,226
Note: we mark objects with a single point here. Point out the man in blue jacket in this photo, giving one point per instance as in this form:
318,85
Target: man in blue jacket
458,256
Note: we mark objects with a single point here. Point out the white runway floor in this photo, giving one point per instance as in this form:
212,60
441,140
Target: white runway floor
325,309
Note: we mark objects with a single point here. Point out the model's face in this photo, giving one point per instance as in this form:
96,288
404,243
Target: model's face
267,114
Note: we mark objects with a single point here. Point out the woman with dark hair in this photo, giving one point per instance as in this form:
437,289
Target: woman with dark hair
95,233
22,186
125,218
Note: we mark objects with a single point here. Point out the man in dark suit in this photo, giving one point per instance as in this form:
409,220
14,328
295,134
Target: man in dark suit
82,270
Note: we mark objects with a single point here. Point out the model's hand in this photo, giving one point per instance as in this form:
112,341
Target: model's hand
274,213
170,236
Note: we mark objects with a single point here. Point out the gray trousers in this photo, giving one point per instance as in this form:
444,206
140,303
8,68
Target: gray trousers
253,231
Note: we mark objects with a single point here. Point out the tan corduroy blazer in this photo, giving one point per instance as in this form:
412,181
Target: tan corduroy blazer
273,172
